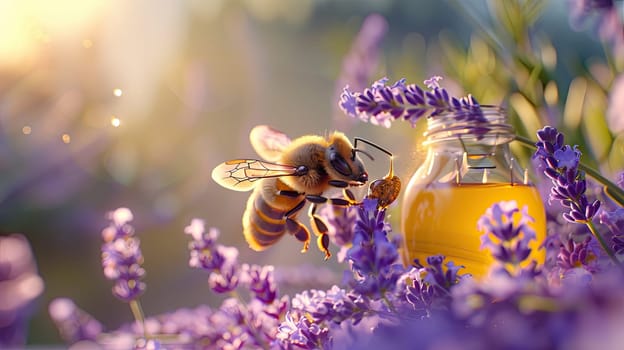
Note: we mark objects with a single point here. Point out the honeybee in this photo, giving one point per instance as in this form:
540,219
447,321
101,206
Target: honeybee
292,173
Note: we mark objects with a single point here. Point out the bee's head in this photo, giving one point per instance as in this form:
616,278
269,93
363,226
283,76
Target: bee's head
343,162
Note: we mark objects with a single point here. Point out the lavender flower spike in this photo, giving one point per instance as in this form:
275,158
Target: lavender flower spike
429,287
20,285
261,282
121,256
507,240
73,323
381,104
341,224
207,254
203,248
374,258
577,260
303,333
560,164
614,220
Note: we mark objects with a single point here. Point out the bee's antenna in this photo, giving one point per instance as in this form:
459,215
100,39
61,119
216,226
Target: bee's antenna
361,151
355,149
356,139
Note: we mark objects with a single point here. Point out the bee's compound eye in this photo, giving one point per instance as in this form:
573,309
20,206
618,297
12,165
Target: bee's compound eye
363,177
340,164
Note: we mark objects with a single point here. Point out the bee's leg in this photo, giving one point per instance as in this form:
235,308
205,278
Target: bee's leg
318,225
320,230
300,232
296,228
338,183
291,194
341,202
349,196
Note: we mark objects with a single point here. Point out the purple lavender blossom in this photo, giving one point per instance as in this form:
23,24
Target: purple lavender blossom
121,256
604,15
204,253
245,326
374,258
335,305
381,104
261,282
560,164
219,260
386,305
506,238
227,278
567,157
183,326
577,254
233,325
429,286
577,262
614,220
373,282
341,223
303,333
73,323
20,285
580,10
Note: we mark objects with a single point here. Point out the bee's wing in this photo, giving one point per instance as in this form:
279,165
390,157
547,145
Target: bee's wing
242,174
268,142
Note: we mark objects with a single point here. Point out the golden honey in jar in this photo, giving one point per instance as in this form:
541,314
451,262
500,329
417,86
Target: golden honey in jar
468,168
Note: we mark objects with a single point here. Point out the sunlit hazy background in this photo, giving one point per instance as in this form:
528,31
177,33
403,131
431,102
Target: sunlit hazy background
132,103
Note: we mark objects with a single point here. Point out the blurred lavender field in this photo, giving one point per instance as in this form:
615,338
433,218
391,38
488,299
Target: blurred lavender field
111,104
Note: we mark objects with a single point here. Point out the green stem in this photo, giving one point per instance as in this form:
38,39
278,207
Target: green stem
603,243
137,311
612,190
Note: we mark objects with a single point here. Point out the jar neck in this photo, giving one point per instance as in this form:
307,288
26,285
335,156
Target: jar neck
488,127
476,146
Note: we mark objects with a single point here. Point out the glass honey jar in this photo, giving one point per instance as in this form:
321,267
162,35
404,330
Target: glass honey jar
468,167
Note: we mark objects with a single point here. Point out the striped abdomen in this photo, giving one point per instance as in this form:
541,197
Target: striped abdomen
264,221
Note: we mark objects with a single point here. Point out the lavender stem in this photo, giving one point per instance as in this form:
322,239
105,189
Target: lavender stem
137,312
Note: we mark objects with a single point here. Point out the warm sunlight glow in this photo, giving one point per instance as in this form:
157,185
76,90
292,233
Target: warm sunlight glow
117,92
26,130
115,122
28,25
66,138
